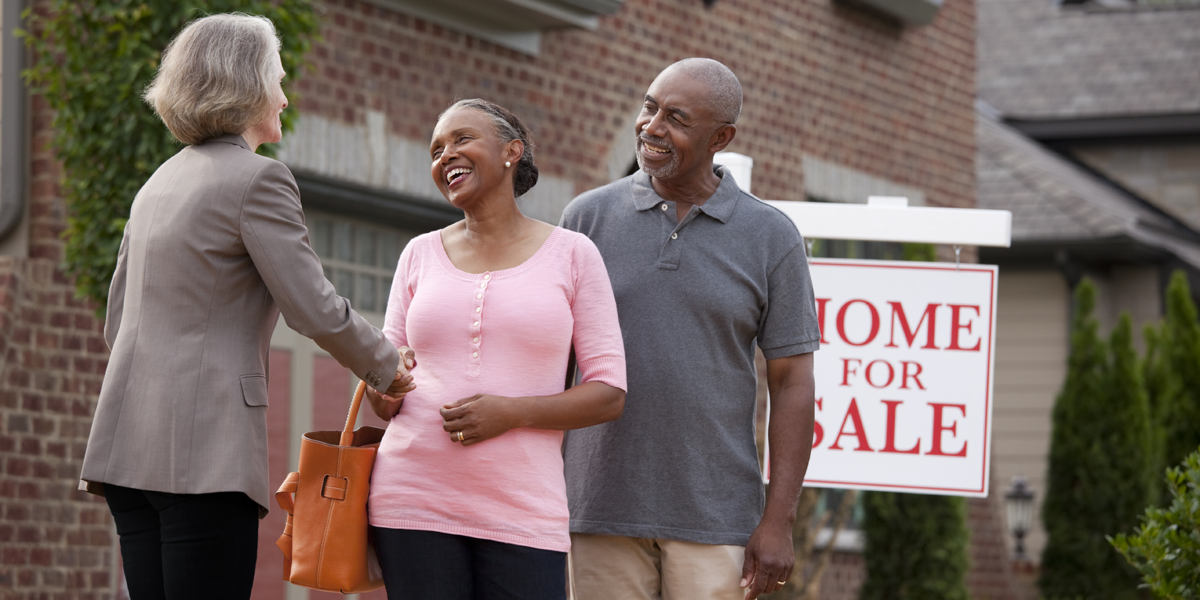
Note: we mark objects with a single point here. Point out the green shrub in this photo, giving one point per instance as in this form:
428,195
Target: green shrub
1173,375
1101,461
916,547
93,60
1166,548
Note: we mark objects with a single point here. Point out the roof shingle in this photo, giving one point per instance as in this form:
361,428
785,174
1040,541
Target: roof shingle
1038,60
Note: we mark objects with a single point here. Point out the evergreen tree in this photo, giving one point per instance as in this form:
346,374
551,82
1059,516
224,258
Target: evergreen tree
1157,381
1174,367
916,547
1101,459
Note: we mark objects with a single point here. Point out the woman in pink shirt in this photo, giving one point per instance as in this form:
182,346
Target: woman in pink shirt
468,499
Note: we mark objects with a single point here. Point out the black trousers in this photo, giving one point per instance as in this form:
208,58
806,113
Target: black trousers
185,546
426,565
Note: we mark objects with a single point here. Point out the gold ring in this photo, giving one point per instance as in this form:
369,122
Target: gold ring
781,582
460,435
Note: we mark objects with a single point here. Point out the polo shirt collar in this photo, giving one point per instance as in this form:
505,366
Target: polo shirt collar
718,206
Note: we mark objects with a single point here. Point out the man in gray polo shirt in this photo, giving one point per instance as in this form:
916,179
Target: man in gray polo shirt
667,501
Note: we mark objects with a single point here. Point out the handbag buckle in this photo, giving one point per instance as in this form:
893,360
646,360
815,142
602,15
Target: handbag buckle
334,488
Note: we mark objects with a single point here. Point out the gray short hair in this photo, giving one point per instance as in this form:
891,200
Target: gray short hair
724,88
215,77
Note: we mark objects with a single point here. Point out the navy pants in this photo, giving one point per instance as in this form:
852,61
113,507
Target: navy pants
419,565
184,546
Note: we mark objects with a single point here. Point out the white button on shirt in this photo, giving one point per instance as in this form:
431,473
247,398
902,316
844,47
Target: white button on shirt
674,236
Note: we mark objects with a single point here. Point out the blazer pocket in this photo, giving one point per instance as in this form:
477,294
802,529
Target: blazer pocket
254,390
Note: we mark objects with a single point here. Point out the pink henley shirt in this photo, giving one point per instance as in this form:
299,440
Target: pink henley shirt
506,333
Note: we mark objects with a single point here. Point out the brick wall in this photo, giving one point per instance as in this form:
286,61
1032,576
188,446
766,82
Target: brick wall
821,80
835,83
57,542
991,576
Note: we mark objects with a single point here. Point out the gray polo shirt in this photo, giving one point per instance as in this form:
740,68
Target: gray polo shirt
693,297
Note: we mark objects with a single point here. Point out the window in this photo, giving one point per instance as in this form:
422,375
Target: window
850,538
358,258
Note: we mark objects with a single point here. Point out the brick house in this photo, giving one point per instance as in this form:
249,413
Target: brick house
842,100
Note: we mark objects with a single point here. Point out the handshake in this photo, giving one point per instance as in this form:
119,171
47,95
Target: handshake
387,404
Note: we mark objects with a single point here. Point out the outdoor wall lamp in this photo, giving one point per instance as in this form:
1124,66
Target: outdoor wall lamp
1018,504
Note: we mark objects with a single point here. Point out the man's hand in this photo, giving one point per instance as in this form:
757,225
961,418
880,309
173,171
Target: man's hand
477,418
386,405
770,558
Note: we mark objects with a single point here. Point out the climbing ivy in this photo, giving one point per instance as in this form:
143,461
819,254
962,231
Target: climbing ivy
93,60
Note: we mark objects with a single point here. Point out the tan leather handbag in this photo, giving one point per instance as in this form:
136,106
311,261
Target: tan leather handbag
326,543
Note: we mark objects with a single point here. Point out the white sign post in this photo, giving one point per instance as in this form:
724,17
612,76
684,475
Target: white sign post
904,372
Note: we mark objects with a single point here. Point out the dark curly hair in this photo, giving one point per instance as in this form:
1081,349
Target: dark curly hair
508,128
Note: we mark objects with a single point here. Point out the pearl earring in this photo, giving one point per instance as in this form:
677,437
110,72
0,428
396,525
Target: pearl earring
507,164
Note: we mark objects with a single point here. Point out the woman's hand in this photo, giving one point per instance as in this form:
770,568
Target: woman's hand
483,416
386,405
480,417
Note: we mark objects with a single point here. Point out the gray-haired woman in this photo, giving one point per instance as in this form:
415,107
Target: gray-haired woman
214,250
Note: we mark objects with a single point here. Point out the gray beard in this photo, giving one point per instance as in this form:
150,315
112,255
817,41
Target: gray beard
666,172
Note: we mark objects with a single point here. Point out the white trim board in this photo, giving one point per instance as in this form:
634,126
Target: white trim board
956,226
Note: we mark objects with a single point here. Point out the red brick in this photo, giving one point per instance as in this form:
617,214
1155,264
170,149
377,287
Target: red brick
18,467
100,538
43,470
85,323
56,404
33,403
100,579
29,491
14,556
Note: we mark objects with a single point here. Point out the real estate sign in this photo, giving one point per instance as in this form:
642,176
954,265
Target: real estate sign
903,376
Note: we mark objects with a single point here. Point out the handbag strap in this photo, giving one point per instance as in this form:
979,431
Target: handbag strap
284,495
352,418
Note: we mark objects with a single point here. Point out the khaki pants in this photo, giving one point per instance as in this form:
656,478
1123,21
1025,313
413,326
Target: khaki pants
605,567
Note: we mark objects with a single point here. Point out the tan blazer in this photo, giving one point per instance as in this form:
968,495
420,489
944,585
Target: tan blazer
214,250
